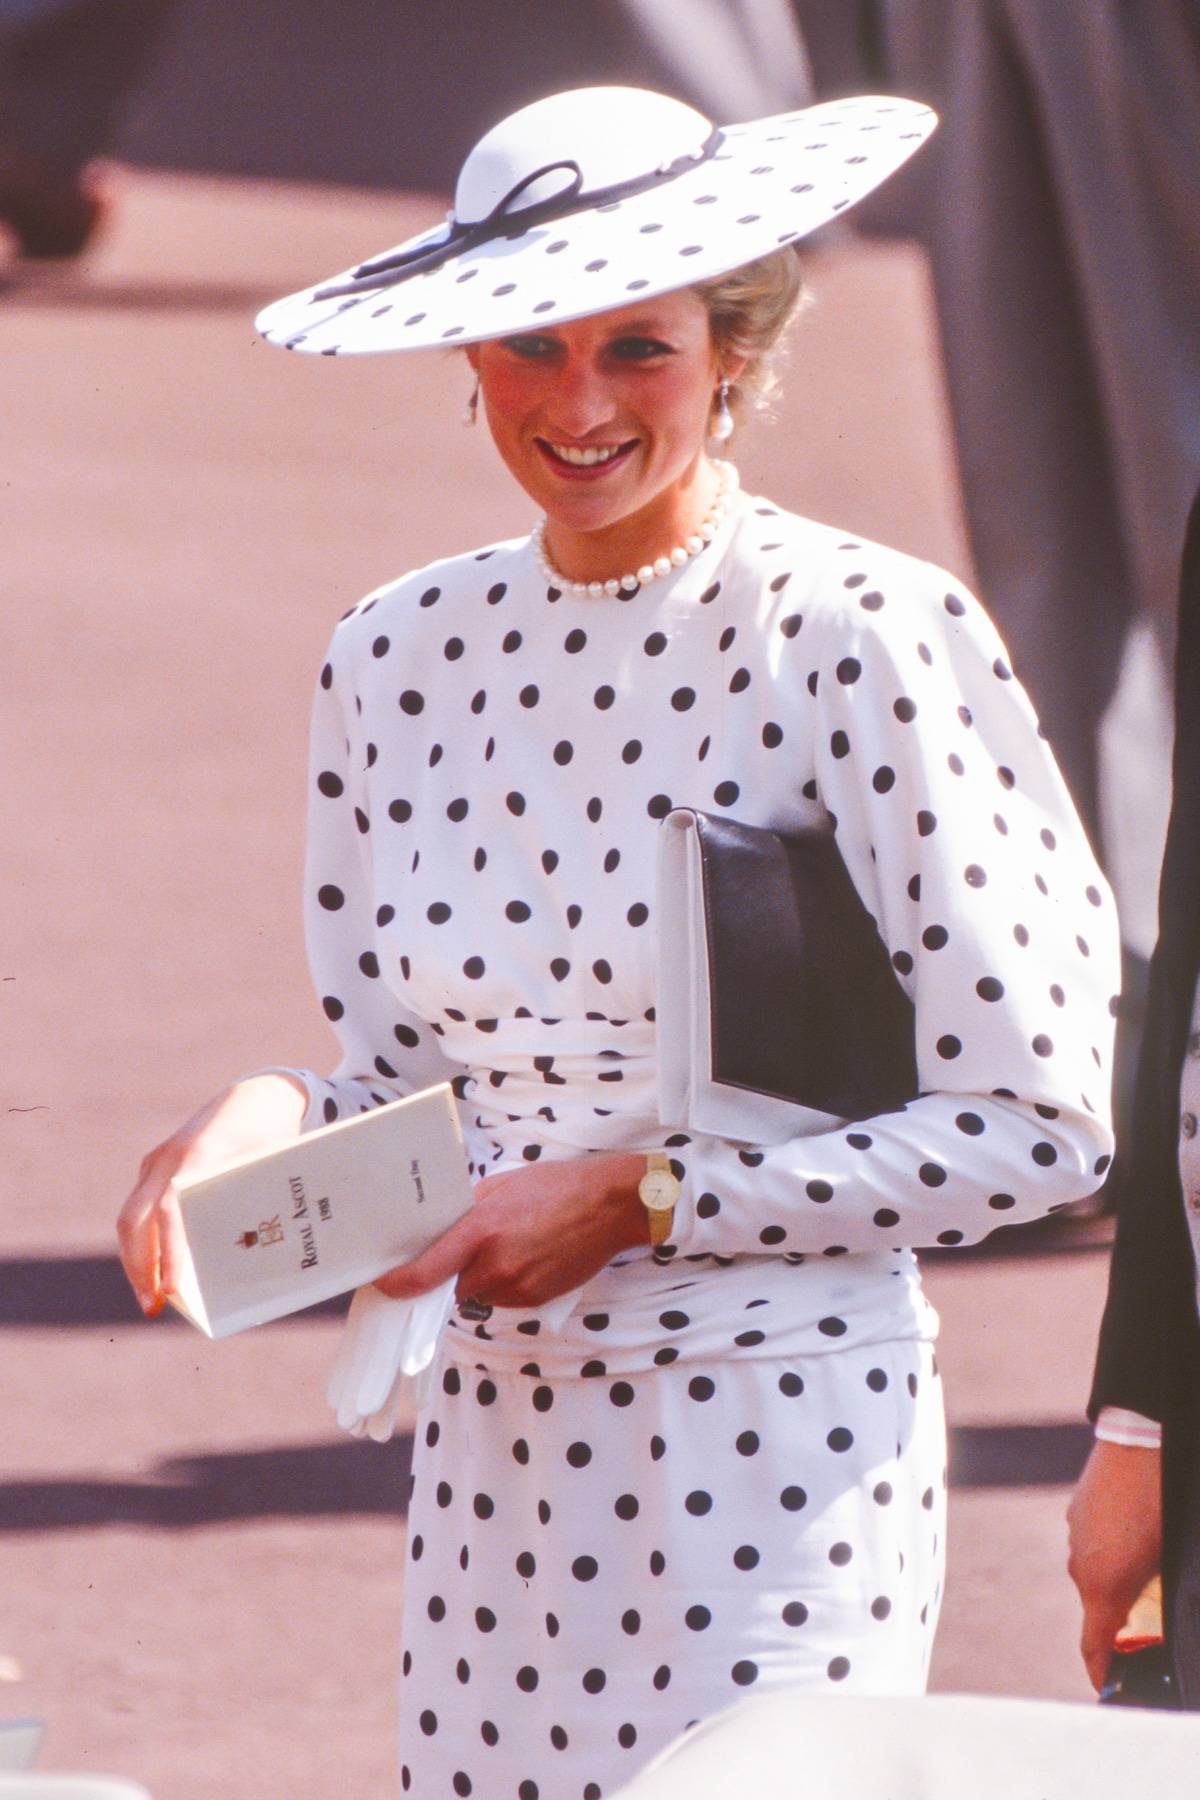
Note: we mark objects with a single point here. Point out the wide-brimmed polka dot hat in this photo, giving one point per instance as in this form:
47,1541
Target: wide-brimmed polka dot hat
592,199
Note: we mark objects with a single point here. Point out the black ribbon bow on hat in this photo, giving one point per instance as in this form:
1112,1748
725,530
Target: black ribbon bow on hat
400,265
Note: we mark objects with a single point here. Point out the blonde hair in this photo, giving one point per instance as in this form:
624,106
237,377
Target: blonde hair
749,309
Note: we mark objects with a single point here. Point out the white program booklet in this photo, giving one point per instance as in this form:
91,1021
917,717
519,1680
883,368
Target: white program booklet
336,1208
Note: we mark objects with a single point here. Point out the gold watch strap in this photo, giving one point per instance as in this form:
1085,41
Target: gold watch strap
659,1218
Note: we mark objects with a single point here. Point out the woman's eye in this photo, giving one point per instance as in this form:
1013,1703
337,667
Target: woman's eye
639,349
530,345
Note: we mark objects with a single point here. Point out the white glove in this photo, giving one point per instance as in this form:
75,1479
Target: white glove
384,1342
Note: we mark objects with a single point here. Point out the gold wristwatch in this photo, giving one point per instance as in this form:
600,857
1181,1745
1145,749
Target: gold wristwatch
658,1190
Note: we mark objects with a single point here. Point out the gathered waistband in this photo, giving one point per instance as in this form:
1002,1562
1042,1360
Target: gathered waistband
569,1085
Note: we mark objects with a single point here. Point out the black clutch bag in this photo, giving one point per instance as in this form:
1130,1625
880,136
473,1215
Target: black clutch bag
778,1011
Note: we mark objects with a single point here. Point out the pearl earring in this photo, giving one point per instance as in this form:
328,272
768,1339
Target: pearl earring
471,409
722,425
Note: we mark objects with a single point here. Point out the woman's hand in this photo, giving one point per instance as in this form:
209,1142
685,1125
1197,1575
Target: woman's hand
246,1119
1115,1521
534,1233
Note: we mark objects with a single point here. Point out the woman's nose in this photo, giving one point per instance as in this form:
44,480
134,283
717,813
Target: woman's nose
582,400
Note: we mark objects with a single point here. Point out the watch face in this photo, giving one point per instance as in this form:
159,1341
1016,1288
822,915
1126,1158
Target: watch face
658,1190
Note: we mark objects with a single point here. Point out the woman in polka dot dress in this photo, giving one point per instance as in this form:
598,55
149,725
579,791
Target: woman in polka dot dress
723,1468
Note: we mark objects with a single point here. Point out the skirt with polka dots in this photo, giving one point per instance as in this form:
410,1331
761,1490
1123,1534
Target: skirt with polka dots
595,1564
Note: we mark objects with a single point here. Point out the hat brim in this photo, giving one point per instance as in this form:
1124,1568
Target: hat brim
770,183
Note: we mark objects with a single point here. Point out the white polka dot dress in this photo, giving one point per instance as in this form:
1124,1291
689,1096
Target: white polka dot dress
725,1469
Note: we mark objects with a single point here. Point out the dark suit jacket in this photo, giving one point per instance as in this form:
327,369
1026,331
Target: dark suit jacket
1149,1354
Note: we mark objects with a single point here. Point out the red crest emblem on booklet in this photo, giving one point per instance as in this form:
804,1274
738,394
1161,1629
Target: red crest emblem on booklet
270,1231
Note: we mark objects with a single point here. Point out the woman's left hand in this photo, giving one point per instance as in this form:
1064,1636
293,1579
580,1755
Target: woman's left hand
533,1233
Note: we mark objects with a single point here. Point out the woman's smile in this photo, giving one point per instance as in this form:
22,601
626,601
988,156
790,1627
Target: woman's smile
585,460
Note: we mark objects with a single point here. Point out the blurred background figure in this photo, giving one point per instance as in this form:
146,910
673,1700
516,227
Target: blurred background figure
66,67
734,59
1061,222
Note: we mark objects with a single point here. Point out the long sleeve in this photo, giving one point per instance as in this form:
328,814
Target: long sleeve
386,1050
1150,1285
960,837
1146,1347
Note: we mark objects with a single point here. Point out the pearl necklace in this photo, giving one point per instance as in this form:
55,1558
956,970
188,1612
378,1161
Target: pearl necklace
662,565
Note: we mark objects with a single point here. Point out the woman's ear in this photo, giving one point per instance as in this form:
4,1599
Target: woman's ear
730,366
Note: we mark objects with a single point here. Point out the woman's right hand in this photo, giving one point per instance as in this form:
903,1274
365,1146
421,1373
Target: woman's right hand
1115,1522
251,1117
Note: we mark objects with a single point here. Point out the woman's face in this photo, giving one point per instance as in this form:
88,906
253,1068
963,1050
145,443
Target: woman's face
605,418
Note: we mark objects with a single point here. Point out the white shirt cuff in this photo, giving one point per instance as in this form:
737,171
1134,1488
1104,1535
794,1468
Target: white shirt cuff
1114,1425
